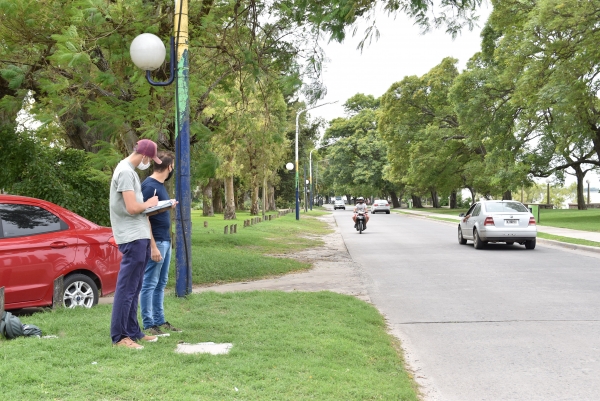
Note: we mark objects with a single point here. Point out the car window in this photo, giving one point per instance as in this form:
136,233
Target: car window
477,210
471,209
505,207
21,220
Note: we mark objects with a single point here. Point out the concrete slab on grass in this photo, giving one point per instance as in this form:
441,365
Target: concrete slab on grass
204,348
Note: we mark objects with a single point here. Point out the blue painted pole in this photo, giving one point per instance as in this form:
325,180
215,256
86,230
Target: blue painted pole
183,222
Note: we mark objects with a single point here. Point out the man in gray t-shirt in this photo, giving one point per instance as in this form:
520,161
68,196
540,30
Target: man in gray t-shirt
360,207
131,230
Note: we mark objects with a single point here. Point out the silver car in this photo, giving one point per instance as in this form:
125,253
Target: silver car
497,221
339,204
380,205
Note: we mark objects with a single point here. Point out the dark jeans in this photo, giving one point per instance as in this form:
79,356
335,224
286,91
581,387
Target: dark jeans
124,322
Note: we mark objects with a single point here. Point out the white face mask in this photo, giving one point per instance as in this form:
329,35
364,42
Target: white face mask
143,166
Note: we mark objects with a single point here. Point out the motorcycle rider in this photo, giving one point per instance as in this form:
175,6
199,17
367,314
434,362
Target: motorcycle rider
360,206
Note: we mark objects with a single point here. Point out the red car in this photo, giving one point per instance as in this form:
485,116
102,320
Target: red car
40,241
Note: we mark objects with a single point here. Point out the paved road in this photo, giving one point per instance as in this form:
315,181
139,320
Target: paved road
503,323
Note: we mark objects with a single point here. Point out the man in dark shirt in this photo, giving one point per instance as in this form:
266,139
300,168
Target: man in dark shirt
157,269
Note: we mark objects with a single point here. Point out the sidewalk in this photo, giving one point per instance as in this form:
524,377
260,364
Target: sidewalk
562,232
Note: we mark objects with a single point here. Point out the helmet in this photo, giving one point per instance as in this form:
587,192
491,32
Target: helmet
360,199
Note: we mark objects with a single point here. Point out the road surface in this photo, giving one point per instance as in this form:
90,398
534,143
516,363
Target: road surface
503,323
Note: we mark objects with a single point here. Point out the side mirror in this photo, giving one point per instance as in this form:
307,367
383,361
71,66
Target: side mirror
461,215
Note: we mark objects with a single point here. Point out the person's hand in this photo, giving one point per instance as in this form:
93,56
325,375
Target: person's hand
155,254
152,201
174,203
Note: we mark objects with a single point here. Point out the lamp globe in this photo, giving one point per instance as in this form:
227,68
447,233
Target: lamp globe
147,51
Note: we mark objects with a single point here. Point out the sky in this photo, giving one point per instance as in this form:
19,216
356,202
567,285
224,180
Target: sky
400,51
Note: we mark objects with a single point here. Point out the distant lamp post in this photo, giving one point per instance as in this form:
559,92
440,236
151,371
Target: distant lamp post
296,148
588,197
548,192
289,166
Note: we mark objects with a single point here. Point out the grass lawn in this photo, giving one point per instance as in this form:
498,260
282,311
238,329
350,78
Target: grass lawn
586,220
286,346
219,258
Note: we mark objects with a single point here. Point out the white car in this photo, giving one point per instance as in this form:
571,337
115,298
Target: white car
497,221
380,205
339,204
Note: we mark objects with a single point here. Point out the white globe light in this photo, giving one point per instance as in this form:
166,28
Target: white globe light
147,51
289,166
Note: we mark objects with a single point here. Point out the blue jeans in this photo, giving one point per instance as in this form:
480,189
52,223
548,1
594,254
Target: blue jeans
124,322
153,287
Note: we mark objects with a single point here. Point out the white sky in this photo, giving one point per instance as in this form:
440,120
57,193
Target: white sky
400,51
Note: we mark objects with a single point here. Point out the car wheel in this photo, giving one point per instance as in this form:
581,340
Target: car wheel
477,242
461,240
388,212
509,242
79,290
530,244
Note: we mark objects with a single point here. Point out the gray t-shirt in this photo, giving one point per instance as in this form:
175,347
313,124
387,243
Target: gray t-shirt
126,227
361,207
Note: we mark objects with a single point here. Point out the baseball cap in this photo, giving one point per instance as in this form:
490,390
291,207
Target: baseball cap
148,148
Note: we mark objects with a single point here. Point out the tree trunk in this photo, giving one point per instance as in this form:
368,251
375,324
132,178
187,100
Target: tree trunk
472,191
416,202
349,200
218,196
581,204
507,195
434,199
453,200
271,196
207,199
229,213
254,195
395,203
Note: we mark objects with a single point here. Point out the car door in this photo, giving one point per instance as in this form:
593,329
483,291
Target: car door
475,217
466,224
36,246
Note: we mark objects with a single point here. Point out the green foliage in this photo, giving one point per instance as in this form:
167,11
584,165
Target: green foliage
61,176
356,158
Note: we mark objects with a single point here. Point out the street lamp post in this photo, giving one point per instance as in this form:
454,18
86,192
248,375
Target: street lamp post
296,148
143,48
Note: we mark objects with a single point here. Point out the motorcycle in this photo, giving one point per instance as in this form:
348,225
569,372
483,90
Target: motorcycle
361,222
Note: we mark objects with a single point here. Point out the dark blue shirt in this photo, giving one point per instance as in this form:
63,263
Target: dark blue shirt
161,222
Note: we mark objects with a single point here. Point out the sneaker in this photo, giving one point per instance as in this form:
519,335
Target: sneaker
149,339
157,332
170,327
128,343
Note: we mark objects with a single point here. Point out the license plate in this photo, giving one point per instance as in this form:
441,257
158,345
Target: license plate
511,222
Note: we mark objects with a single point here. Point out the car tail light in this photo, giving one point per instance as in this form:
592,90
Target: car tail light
375,204
489,221
532,221
112,241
